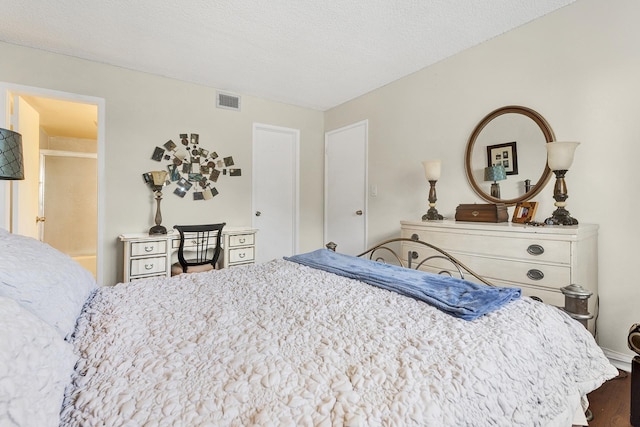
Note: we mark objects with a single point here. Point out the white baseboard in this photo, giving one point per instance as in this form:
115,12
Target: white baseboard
619,360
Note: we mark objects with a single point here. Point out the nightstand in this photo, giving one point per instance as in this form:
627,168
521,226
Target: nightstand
239,246
146,256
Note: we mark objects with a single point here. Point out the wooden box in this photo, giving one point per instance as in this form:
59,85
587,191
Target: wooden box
478,212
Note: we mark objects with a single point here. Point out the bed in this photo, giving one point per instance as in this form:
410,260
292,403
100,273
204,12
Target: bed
279,343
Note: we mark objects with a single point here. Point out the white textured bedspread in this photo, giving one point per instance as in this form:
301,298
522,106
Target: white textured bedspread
283,344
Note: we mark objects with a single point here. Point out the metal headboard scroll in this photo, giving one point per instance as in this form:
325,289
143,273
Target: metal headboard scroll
383,246
576,297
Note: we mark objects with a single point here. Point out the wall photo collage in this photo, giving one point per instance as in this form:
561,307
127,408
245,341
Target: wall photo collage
193,168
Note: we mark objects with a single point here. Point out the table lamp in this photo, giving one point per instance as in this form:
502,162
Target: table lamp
11,163
157,181
432,173
495,173
559,158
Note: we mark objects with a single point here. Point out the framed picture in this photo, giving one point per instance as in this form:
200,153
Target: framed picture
505,155
525,212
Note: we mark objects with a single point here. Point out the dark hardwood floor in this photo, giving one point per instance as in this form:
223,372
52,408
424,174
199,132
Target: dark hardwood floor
611,403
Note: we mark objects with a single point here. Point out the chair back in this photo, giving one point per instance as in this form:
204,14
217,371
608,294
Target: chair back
199,244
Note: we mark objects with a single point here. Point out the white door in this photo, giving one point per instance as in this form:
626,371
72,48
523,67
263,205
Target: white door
275,191
25,196
345,178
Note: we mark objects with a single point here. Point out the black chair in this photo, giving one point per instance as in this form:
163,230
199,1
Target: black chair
199,248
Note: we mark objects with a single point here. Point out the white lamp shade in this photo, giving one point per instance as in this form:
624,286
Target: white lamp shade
560,154
432,169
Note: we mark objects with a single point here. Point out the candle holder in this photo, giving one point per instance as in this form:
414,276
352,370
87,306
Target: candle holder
432,173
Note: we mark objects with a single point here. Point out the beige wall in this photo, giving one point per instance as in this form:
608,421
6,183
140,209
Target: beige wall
143,111
579,67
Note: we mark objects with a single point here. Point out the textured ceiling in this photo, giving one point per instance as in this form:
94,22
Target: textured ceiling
312,53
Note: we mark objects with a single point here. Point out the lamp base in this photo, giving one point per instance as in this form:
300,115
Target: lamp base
495,190
561,216
432,215
157,229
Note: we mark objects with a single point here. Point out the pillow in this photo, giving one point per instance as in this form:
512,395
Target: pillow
43,280
35,367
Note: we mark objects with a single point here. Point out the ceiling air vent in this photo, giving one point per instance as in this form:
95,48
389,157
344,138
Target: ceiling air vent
228,101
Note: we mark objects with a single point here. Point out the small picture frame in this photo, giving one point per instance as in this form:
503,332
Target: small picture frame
158,154
505,155
170,145
524,212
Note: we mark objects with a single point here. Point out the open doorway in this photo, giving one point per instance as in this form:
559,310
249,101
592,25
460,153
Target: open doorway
58,202
67,216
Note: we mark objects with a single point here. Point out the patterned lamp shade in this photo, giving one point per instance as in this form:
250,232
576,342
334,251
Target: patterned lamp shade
11,165
495,173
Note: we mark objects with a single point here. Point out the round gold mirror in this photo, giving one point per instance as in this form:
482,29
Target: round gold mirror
512,138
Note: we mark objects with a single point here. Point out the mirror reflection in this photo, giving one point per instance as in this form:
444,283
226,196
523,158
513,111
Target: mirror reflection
512,138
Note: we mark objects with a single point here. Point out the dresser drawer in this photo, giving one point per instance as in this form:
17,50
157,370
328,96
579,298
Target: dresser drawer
193,242
547,296
143,266
241,240
501,246
544,275
552,276
241,255
148,248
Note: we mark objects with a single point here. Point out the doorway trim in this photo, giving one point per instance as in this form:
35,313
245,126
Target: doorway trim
6,91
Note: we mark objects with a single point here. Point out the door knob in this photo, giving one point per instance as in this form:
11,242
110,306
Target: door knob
40,219
258,213
358,212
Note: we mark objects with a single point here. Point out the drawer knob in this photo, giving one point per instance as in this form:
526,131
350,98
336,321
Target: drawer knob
241,255
148,248
535,274
148,266
535,250
242,240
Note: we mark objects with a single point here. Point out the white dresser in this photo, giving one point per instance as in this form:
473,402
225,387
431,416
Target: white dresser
151,256
539,260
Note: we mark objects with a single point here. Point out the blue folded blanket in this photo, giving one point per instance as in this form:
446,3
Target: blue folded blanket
459,298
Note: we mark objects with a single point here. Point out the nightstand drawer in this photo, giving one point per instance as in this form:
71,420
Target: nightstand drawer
148,248
241,240
143,266
241,255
